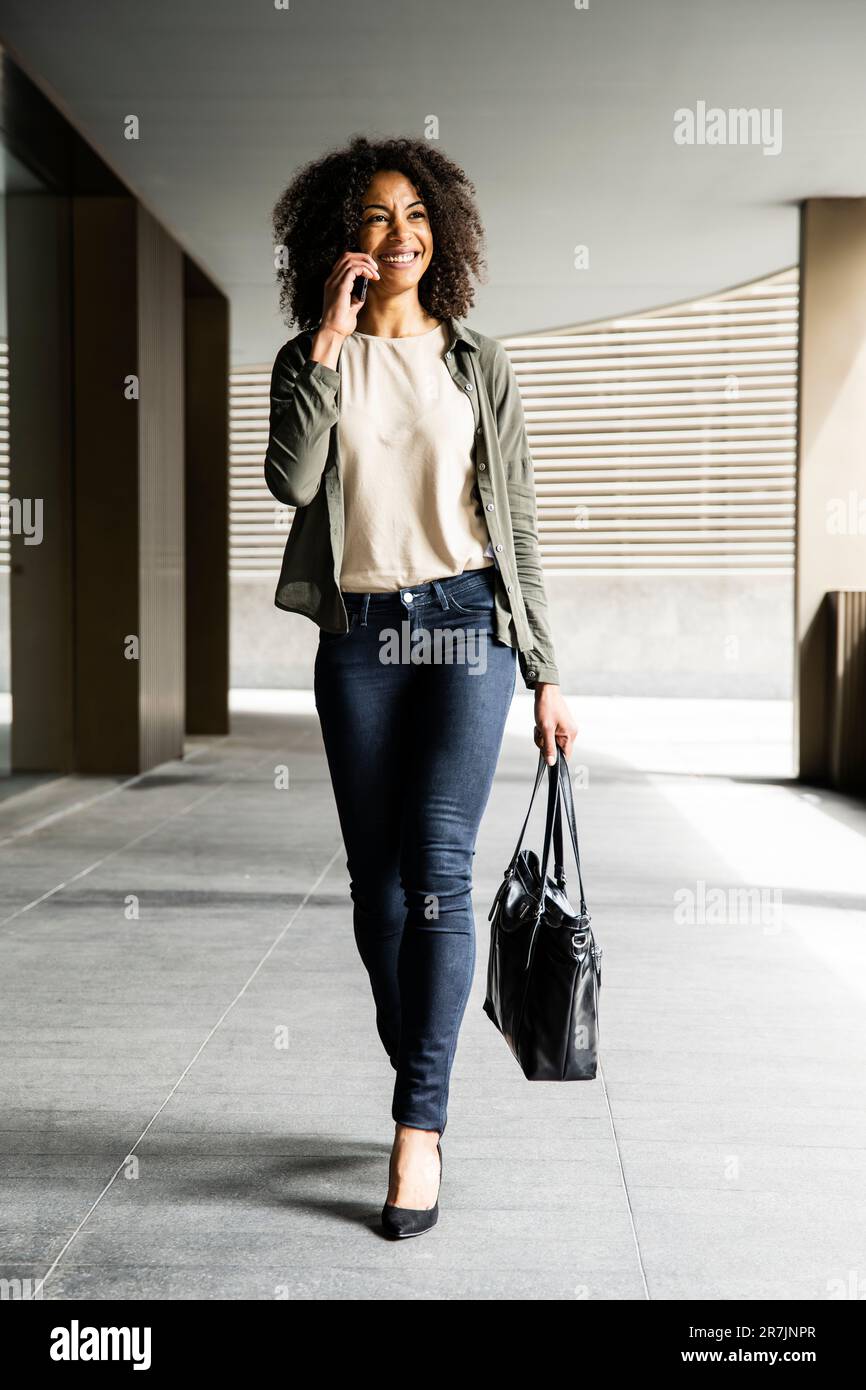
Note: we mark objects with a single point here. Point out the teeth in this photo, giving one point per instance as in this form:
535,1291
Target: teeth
404,259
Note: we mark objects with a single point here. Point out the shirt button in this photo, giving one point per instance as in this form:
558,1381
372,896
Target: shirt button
532,675
490,506
499,547
481,467
469,386
449,353
508,588
408,598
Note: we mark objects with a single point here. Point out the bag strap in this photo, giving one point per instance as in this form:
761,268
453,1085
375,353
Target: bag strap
559,793
567,798
509,871
538,777
549,822
550,818
558,858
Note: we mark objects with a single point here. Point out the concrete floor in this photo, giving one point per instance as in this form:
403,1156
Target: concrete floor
197,1106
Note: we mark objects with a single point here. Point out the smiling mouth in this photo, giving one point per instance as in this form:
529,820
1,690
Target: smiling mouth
401,258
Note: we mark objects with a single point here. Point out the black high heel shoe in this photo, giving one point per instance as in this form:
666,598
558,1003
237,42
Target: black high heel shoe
400,1222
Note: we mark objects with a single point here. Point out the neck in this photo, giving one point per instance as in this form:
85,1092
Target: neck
399,317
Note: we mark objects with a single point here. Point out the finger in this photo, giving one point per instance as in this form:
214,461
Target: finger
346,285
354,271
548,742
364,263
354,266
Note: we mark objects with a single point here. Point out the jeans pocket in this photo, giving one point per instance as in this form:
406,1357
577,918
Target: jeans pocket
477,603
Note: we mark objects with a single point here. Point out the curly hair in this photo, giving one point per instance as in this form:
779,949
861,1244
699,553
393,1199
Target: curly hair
319,214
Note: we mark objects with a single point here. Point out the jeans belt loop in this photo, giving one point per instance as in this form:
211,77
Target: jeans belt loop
441,594
364,607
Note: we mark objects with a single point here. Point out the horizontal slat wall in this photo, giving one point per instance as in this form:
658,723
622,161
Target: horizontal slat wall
663,442
258,524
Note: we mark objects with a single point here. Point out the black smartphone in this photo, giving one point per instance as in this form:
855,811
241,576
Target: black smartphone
359,288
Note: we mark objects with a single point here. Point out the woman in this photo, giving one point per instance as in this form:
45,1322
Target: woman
398,434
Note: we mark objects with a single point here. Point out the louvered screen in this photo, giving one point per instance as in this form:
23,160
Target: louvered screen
662,442
258,523
667,441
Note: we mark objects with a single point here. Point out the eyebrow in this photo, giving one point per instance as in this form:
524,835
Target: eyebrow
365,207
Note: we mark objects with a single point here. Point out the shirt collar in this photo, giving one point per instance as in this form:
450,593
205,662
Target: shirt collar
459,333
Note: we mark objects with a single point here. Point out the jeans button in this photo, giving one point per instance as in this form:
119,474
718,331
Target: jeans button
408,598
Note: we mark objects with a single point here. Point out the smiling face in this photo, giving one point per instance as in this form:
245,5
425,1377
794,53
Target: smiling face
395,230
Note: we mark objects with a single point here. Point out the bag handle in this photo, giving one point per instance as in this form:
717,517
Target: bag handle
511,863
557,782
567,799
550,821
538,778
559,794
559,791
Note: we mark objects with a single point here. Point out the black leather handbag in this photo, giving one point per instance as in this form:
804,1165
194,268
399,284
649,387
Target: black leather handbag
544,969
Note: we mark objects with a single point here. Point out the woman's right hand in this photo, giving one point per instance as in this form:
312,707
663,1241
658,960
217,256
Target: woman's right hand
339,309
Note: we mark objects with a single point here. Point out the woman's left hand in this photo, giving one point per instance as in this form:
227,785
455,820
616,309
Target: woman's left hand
553,722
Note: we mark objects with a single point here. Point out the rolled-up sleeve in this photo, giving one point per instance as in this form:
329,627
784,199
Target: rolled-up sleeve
539,664
303,410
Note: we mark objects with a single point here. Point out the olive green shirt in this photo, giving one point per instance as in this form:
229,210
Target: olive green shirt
302,470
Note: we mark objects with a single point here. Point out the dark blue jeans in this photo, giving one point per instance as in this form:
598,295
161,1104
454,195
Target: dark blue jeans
412,701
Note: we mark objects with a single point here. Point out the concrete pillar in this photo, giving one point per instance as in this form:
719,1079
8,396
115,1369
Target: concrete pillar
831,500
129,487
41,607
206,416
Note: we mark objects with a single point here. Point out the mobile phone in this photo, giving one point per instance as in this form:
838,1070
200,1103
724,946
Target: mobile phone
359,288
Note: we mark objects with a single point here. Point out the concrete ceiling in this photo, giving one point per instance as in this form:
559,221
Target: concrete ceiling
563,118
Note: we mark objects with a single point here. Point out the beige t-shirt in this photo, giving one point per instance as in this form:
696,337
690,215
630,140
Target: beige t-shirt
406,434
